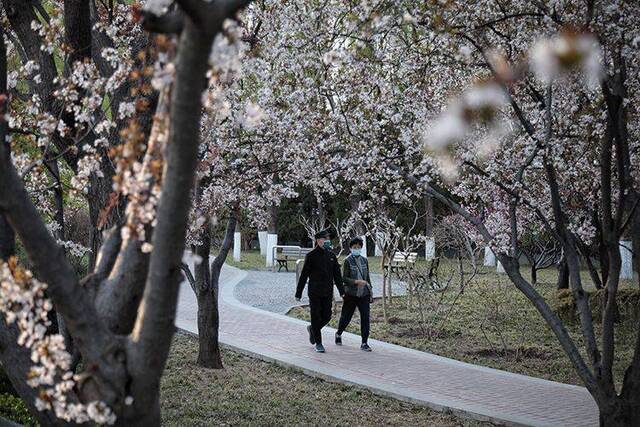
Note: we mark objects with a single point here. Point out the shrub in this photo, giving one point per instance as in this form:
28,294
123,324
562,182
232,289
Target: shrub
564,305
15,409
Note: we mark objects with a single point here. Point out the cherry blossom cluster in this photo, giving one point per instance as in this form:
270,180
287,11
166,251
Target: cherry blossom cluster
23,303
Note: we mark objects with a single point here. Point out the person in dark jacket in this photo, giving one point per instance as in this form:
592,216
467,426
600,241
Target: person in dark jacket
358,292
322,270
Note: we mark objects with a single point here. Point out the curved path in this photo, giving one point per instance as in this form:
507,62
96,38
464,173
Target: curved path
275,291
437,382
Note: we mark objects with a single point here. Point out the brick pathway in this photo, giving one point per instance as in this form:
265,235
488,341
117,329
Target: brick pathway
440,383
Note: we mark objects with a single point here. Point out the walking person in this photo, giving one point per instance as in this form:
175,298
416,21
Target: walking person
358,292
322,270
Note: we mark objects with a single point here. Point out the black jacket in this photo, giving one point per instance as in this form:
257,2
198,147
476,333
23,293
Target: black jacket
321,268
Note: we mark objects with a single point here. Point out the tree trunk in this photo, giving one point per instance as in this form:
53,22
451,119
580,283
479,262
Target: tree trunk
429,215
563,275
7,236
150,416
384,284
7,239
208,323
390,293
273,219
604,261
207,296
99,191
621,414
635,240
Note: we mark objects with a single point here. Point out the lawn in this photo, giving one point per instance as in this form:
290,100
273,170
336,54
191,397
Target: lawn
492,324
252,260
249,260
253,392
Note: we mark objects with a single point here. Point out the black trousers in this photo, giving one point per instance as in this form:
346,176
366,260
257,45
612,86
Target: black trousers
320,315
348,307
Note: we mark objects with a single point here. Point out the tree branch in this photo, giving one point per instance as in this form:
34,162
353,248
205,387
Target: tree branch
169,23
92,337
227,242
153,331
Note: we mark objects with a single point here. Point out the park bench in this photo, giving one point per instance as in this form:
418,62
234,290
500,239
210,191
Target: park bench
286,254
403,265
402,261
429,281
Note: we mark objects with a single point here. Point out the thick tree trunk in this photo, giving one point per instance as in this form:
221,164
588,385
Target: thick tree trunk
7,239
206,285
208,324
620,414
149,416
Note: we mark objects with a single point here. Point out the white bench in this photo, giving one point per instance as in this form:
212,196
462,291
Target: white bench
402,260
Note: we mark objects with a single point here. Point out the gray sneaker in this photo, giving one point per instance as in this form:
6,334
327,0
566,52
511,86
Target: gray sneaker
319,348
365,347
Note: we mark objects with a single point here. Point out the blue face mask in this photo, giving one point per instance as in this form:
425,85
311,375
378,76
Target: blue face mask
356,252
327,244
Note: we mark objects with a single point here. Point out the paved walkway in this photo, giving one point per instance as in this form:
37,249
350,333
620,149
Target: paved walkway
437,382
275,291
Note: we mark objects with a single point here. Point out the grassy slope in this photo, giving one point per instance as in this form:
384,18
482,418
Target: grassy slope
252,392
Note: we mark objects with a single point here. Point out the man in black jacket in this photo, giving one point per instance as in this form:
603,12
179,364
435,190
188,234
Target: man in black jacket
322,269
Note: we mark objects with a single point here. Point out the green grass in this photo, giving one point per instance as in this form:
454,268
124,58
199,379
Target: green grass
253,392
14,409
249,260
492,324
252,260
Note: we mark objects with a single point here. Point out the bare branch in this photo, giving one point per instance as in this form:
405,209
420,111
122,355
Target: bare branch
187,273
109,252
227,242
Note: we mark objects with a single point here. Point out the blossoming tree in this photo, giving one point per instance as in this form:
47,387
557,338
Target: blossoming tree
544,137
125,345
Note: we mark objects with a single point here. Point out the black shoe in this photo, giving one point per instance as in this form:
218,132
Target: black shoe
365,347
338,339
312,340
319,348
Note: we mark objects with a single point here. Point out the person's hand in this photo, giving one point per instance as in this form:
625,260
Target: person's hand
342,296
361,282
